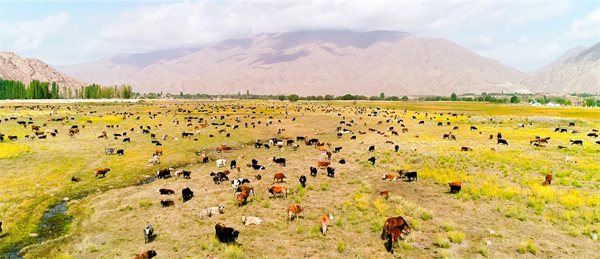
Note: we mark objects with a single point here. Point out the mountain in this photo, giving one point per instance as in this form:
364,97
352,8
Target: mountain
578,73
13,67
561,58
313,63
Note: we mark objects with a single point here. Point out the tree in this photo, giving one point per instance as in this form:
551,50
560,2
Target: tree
374,98
381,96
348,97
282,98
392,98
515,99
404,98
328,97
453,97
293,98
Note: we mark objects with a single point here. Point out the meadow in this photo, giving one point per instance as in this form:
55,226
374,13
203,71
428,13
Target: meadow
502,211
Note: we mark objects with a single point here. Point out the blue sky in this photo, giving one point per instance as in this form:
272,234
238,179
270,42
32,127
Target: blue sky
522,34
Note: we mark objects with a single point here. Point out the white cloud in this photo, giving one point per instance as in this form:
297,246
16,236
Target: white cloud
30,35
586,28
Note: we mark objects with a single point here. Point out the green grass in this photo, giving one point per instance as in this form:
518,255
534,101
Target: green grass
341,247
456,237
483,251
442,242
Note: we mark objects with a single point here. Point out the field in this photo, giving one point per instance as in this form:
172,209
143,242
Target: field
502,211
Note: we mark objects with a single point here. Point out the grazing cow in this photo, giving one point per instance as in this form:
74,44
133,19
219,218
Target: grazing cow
74,179
237,182
592,134
154,160
257,145
158,152
226,234
502,141
101,171
242,198
473,128
257,177
243,188
572,124
187,194
167,203
247,220
577,142
276,189
221,162
233,164
353,138
278,177
411,175
267,146
126,140
323,163
570,158
163,173
166,191
148,232
394,222
120,152
548,180
294,210
393,235
325,222
207,213
109,151
330,171
313,171
146,255
280,161
466,149
384,194
371,148
390,177
396,148
258,167
323,148
455,186
372,160
302,181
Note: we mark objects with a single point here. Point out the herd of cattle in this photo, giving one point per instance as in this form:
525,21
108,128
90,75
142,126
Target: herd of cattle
242,188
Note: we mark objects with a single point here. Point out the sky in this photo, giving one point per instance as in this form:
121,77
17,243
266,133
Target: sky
525,35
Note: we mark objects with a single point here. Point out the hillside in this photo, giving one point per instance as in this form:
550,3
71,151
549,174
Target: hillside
13,67
313,63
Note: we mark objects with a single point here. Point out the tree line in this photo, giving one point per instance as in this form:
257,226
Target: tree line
11,89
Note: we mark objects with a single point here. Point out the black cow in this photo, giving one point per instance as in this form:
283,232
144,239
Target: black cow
502,141
337,149
576,142
302,181
187,194
313,171
233,164
126,140
254,162
167,203
226,234
342,161
330,171
411,175
372,160
473,128
163,173
257,145
371,148
353,138
120,152
280,161
258,167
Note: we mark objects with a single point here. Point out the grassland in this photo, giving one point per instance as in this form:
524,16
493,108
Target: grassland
502,200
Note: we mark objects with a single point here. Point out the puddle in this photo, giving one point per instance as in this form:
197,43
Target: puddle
12,255
147,181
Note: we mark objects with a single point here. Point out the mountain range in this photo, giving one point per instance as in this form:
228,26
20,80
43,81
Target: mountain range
13,67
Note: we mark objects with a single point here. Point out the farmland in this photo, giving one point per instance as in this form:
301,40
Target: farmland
502,211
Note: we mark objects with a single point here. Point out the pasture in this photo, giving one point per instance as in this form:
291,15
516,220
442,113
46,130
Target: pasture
502,211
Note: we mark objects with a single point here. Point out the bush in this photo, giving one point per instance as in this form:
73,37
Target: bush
442,242
483,251
234,252
456,237
341,247
448,226
145,203
324,186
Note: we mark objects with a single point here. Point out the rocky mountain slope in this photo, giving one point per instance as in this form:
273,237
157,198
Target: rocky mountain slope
13,67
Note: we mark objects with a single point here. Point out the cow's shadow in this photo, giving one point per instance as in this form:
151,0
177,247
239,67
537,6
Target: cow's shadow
151,238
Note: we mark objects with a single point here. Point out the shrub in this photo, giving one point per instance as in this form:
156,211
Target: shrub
145,203
234,252
456,237
299,230
324,186
341,246
442,242
426,214
448,226
483,251
267,204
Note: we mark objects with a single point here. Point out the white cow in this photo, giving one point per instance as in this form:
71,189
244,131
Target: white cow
221,162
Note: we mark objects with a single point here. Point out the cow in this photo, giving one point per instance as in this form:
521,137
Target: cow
323,164
187,194
337,149
148,234
278,177
243,188
226,234
280,161
242,198
411,175
384,194
165,191
75,179
393,235
325,222
155,160
502,141
109,151
466,149
126,140
163,173
221,162
276,189
330,171
473,128
572,124
323,148
577,142
592,134
212,211
237,182
372,160
394,222
257,177
258,167
120,152
548,179
233,164
294,210
167,203
247,220
570,158
158,152
101,171
313,171
390,177
455,186
371,148
146,255
302,181
396,148
257,145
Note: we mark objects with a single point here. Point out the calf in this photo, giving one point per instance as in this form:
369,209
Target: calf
276,189
207,213
455,186
251,220
384,194
390,177
280,161
393,235
323,163
75,179
148,233
548,180
302,181
187,194
570,158
101,171
411,175
243,188
294,210
146,255
330,171
325,222
225,234
167,203
278,177
166,191
242,198
313,171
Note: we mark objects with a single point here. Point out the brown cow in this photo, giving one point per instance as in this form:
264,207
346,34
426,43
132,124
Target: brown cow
74,179
455,186
323,164
390,177
325,222
323,148
242,198
249,188
158,152
548,180
393,235
384,194
167,203
276,189
294,210
392,223
404,130
466,149
278,177
101,171
146,255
